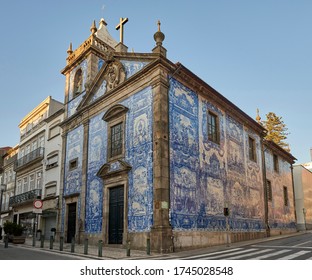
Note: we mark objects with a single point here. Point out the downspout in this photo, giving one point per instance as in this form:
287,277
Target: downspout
293,188
266,206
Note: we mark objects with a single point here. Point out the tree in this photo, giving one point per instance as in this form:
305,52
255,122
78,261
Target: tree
277,130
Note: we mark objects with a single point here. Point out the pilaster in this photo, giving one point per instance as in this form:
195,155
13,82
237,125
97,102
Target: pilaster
81,222
161,232
59,228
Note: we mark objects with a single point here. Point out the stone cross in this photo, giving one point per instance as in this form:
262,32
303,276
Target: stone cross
120,26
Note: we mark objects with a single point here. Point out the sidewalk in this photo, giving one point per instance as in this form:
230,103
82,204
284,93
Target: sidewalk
111,252
108,252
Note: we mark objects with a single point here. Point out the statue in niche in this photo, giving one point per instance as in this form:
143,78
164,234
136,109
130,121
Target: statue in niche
78,82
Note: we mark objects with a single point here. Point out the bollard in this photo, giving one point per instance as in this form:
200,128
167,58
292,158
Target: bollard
41,241
61,243
148,246
6,241
128,249
51,242
100,248
34,240
85,246
72,245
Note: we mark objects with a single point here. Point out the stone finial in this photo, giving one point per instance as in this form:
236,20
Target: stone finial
102,23
159,37
258,118
93,28
70,49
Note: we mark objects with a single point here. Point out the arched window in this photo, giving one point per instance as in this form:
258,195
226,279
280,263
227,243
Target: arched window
78,82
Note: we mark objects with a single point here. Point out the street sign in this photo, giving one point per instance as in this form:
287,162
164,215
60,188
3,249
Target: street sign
38,204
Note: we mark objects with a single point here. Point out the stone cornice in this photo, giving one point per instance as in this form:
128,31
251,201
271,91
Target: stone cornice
280,151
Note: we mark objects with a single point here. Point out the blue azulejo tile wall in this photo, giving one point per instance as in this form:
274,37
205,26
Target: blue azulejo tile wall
73,176
97,147
205,176
138,154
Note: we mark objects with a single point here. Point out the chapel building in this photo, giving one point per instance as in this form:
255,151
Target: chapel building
151,151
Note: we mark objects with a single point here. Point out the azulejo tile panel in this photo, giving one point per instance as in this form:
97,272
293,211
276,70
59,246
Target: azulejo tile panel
73,177
139,155
97,147
132,67
207,176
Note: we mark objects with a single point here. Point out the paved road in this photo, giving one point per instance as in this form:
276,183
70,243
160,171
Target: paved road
291,248
298,247
20,253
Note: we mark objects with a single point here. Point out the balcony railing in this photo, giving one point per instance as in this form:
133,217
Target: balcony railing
24,197
35,154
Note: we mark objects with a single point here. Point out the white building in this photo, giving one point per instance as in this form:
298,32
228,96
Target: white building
29,166
51,172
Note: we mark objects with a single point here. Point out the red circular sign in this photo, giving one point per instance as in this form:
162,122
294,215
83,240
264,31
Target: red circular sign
38,204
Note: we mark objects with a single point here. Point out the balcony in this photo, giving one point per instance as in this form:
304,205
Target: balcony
24,197
29,158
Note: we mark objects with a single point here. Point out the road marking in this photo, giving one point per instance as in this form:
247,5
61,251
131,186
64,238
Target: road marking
284,247
234,253
270,255
250,254
209,254
298,245
295,255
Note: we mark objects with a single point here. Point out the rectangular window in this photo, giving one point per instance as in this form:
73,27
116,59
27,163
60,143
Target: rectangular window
213,127
252,149
73,164
25,185
116,140
32,181
34,145
19,187
275,163
54,131
52,161
269,190
285,193
41,141
39,180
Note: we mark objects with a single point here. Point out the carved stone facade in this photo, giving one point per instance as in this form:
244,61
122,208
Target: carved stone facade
138,163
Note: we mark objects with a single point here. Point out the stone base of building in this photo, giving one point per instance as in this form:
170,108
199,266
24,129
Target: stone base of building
184,240
303,227
279,231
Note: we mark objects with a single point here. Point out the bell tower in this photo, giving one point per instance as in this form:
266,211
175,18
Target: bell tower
83,64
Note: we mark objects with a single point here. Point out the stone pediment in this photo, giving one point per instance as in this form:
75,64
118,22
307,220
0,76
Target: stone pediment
111,75
113,168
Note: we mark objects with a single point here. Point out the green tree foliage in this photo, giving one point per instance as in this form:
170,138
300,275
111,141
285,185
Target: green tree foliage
277,130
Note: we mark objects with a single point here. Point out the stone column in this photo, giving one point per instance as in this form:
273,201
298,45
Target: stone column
59,231
161,232
81,221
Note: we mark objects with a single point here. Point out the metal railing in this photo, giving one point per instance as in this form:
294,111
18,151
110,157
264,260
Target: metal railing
24,197
35,154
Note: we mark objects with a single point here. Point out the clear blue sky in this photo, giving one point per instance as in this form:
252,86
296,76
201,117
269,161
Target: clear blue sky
258,54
